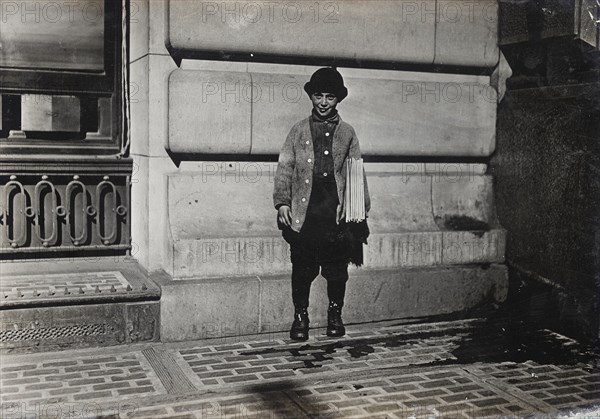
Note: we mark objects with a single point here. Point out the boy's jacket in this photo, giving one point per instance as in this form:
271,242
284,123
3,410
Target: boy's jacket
294,175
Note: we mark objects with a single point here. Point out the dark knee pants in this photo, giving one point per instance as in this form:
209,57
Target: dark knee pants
305,270
317,247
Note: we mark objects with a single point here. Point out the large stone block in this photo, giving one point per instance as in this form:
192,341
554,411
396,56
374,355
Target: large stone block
387,30
394,114
400,199
405,293
278,103
222,199
467,33
222,222
207,113
419,117
212,308
232,233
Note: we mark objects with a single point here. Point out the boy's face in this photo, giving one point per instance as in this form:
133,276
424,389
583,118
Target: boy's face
324,103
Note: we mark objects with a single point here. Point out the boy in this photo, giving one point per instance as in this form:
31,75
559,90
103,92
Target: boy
309,196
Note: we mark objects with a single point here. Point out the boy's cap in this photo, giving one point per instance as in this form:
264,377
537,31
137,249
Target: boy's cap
327,80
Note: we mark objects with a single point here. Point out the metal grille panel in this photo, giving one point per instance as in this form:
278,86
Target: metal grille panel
55,332
59,208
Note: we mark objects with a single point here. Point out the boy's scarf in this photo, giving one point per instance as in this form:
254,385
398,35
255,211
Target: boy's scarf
333,117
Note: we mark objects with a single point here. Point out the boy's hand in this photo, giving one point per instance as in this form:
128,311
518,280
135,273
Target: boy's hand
284,216
341,213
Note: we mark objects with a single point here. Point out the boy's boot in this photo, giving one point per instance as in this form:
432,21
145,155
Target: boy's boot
299,329
336,291
302,277
335,325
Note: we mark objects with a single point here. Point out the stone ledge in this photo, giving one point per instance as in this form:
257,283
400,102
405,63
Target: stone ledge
242,256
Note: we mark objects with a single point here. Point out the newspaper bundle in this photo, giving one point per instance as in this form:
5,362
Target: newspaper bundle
355,190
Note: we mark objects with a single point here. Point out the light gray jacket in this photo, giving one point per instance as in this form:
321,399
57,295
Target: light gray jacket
293,178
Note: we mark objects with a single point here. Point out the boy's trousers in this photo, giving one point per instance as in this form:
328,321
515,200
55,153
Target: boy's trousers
305,270
317,247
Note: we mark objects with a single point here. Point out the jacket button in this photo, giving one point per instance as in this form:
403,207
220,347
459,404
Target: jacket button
309,160
326,134
326,152
308,142
297,221
303,199
325,174
307,181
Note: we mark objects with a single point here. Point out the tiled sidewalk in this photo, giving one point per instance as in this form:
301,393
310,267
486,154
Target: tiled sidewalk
457,369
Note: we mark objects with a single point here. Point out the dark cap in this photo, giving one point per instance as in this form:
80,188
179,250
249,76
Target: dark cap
327,80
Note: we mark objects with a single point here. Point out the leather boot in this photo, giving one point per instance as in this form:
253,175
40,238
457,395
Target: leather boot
335,325
299,329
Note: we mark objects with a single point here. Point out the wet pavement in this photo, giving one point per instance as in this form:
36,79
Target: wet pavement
452,369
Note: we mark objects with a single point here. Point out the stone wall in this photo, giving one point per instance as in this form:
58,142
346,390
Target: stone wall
548,198
206,142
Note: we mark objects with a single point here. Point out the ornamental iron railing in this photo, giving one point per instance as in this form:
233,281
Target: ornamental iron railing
65,207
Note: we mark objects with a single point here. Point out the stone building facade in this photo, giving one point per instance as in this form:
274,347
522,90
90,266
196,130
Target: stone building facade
175,182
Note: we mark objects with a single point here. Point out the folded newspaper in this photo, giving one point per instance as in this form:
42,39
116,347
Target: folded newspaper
355,190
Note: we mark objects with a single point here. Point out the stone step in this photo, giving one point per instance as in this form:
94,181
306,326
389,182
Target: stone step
76,303
70,288
234,306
